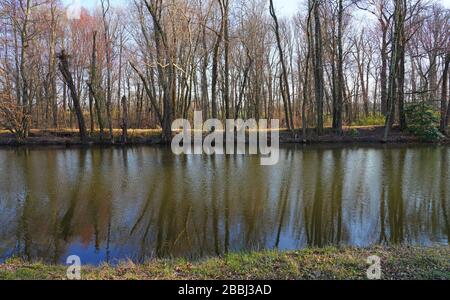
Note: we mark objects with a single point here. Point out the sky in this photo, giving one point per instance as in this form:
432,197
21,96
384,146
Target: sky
289,7
284,8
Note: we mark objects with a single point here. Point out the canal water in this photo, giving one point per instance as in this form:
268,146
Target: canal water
107,205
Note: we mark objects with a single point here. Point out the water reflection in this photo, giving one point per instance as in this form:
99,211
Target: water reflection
111,204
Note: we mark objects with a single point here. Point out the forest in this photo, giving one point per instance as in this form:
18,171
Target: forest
143,64
92,97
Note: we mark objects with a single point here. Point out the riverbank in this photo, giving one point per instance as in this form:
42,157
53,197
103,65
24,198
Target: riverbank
357,134
397,263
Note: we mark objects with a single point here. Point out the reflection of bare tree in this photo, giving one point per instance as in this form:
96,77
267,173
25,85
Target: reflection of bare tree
67,219
215,213
24,227
145,211
444,178
329,176
170,227
383,239
396,211
317,222
313,212
95,189
163,221
337,187
154,204
27,209
51,180
256,202
228,174
284,197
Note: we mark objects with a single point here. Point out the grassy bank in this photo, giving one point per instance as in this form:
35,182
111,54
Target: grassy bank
69,137
331,263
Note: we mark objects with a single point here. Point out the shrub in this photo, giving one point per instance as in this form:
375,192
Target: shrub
372,121
353,132
423,121
12,117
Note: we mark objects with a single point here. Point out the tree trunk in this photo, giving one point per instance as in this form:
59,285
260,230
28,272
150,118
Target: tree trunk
215,70
95,90
337,107
108,50
383,73
125,121
166,75
227,58
445,106
204,75
285,93
307,69
318,68
396,77
401,91
52,65
64,69
23,70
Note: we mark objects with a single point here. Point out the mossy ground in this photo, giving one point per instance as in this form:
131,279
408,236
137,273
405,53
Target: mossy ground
337,264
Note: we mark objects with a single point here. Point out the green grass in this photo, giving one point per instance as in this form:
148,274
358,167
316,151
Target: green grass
330,263
377,120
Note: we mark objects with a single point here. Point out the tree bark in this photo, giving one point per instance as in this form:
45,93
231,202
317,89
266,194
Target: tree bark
64,69
307,69
337,107
396,76
384,71
318,68
52,64
166,69
285,93
125,121
108,50
445,105
226,8
215,64
95,90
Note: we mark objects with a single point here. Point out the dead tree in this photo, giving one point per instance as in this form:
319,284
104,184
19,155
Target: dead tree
68,79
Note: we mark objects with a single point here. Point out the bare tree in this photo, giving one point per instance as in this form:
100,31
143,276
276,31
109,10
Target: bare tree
445,106
107,39
318,66
125,120
65,71
285,92
174,57
397,69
